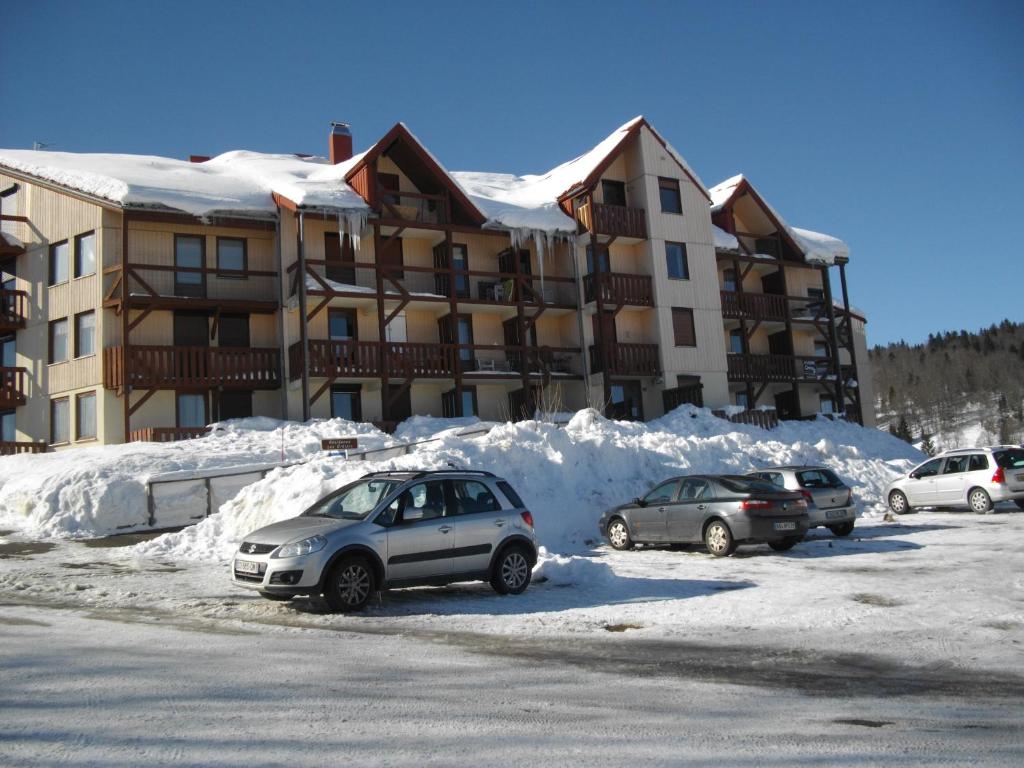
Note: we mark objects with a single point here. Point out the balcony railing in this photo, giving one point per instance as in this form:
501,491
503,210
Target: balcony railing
413,206
626,359
617,220
12,447
692,394
762,367
12,387
165,434
164,367
756,306
13,310
619,289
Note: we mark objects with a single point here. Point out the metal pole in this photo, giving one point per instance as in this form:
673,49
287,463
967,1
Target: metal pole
303,329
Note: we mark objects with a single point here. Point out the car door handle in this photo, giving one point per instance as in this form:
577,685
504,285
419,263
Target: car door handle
661,509
499,523
702,506
445,529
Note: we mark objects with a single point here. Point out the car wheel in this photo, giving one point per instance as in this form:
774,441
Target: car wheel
843,529
898,503
784,544
512,572
979,501
276,598
618,534
350,584
718,539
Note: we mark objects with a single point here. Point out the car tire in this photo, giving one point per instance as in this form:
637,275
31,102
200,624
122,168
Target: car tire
718,539
783,545
618,535
276,598
511,573
979,501
898,503
842,529
350,584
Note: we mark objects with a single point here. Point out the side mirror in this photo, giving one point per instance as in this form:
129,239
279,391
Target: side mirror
412,513
639,502
915,476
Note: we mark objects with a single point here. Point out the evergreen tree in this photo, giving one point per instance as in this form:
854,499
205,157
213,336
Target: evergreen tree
927,446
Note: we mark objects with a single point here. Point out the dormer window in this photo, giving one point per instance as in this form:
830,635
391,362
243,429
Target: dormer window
613,192
671,199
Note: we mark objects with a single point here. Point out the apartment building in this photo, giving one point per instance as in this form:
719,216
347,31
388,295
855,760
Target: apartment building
145,298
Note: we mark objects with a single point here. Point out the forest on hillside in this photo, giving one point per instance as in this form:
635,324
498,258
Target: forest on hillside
958,389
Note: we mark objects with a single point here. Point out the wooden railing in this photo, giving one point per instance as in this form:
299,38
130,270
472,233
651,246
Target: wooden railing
625,359
165,434
619,289
763,419
413,206
407,360
13,309
11,447
762,367
336,358
615,220
757,306
12,386
692,394
165,367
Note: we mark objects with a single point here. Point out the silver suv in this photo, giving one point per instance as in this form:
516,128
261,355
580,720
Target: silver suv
975,478
829,499
394,529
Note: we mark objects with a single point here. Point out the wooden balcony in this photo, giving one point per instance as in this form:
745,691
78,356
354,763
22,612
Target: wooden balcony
12,387
619,289
165,434
617,220
626,359
11,447
754,306
164,367
13,310
762,368
413,207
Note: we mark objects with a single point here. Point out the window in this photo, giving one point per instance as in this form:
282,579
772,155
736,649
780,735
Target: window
820,348
85,254
682,327
602,264
60,428
469,406
978,463
341,324
818,478
189,252
736,341
955,465
191,329
928,469
8,351
233,331
464,325
191,410
232,256
742,399
613,192
423,502
816,293
337,251
392,257
85,334
389,182
234,404
8,427
729,279
345,402
460,263
58,340
662,494
510,494
85,416
671,200
59,263
472,497
827,404
675,258
626,401
694,489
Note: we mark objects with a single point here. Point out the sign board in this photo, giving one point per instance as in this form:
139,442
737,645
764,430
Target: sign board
810,369
339,444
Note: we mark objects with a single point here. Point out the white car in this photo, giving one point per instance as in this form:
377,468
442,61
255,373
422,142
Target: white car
976,478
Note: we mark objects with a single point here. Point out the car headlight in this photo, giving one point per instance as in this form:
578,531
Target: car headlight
300,548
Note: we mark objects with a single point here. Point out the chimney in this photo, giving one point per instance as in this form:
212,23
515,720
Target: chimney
341,143
198,158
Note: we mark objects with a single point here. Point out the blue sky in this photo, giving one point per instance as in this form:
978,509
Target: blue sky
896,126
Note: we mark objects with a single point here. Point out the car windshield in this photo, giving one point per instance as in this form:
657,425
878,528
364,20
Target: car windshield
1011,459
355,501
746,485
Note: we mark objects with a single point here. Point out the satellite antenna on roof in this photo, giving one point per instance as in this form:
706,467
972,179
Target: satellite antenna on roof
37,145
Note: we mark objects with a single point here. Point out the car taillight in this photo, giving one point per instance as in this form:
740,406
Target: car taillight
807,496
799,503
999,477
756,504
527,518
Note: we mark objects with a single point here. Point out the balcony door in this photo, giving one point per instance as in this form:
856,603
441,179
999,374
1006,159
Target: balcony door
190,253
234,405
337,251
459,332
191,329
233,331
460,262
780,343
392,258
8,354
626,401
191,409
613,192
400,402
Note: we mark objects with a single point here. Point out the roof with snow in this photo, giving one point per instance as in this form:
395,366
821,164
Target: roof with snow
816,247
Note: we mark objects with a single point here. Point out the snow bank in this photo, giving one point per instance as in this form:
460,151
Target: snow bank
568,476
97,491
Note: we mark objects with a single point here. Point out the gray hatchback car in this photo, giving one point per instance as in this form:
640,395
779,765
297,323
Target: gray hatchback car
719,510
829,499
394,529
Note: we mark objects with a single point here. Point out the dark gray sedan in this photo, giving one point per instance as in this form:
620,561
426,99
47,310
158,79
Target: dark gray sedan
719,510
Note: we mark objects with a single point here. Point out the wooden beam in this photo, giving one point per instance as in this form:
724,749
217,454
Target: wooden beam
142,401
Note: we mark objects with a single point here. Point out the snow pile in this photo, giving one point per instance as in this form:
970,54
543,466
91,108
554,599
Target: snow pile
569,570
96,491
569,476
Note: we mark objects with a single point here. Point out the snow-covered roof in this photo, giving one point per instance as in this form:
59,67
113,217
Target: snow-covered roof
816,247
238,182
725,241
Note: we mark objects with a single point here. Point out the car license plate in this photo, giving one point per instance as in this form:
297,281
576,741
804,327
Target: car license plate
835,514
785,526
1021,476
247,566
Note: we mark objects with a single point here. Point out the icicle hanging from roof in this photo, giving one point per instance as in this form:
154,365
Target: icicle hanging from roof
352,223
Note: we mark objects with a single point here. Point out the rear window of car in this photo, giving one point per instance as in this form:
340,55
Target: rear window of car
1011,459
818,478
510,493
744,485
